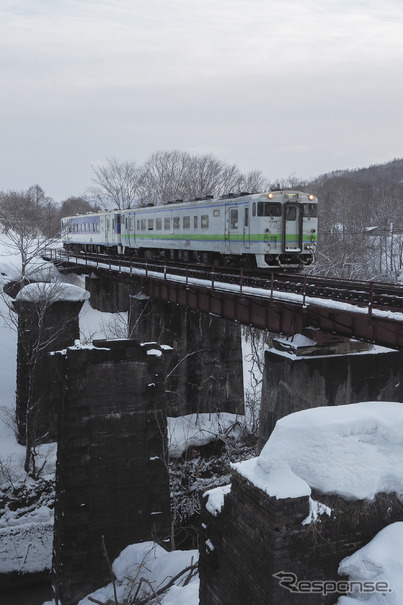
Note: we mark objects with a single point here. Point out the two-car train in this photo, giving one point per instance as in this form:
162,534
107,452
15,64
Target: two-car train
275,230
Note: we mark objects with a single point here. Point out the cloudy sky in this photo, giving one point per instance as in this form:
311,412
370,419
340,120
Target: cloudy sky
283,86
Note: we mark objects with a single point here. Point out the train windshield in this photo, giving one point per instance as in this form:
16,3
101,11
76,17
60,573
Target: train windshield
268,209
310,210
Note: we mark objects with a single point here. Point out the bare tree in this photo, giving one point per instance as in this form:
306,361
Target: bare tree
116,184
24,219
171,175
39,331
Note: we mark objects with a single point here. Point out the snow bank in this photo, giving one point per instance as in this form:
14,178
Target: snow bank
26,542
198,429
354,451
157,566
52,292
379,561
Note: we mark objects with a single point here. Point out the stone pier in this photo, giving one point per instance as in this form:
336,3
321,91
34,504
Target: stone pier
205,374
47,320
107,295
112,486
315,369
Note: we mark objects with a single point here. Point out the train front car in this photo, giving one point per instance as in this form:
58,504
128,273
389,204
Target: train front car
285,227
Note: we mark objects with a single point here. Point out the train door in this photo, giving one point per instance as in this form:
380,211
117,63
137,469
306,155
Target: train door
233,227
292,228
107,229
246,228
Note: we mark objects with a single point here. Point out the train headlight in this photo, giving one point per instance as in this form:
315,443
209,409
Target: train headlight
270,196
311,197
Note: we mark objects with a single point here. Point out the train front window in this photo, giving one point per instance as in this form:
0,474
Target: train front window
272,209
291,213
310,210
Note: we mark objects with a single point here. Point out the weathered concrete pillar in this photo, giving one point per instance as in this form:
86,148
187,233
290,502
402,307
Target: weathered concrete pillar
47,320
107,295
302,373
112,484
205,374
254,536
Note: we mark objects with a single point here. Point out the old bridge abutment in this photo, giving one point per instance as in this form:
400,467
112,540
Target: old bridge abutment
317,370
112,480
205,370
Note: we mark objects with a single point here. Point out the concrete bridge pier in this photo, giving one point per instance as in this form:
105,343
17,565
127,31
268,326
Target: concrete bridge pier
107,295
112,485
205,371
47,320
315,369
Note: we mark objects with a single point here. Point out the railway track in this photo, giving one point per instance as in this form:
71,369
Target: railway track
370,294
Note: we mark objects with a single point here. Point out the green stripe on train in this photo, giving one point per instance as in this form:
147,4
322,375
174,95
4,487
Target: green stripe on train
199,237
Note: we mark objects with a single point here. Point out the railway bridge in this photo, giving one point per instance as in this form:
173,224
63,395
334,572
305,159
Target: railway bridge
282,304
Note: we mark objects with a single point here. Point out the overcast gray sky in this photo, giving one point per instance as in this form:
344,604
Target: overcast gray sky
284,86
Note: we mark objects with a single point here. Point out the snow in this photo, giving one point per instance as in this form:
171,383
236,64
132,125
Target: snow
215,498
26,541
52,292
198,429
154,352
157,567
381,560
316,509
353,450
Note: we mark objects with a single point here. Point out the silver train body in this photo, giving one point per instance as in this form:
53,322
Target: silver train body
275,230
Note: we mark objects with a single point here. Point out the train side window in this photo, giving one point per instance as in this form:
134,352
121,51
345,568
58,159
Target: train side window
150,224
186,222
143,224
234,218
138,224
131,224
158,224
167,223
177,223
246,217
254,209
195,222
204,221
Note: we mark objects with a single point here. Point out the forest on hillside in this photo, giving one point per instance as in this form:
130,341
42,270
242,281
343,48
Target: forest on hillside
361,222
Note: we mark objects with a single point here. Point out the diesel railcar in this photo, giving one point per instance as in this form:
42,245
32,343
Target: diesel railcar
275,230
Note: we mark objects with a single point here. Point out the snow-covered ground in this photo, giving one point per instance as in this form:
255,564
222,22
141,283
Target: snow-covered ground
146,565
